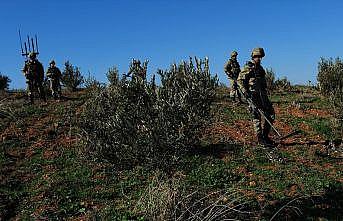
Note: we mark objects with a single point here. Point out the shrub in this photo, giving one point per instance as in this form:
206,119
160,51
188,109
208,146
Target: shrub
91,82
330,79
167,199
136,122
113,75
4,82
270,79
283,84
71,77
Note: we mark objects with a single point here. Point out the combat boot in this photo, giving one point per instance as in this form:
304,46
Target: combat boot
263,141
260,140
268,140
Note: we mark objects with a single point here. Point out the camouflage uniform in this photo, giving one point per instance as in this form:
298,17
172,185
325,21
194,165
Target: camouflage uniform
232,70
252,83
34,73
54,75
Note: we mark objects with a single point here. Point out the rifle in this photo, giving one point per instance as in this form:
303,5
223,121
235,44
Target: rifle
253,106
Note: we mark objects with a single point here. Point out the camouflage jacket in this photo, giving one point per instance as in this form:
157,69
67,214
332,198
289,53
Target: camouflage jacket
54,73
33,70
232,68
252,79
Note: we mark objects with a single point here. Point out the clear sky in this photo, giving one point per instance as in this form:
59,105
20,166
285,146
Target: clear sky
98,34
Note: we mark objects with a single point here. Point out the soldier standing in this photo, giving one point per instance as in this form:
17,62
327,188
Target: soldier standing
232,70
54,75
34,74
252,83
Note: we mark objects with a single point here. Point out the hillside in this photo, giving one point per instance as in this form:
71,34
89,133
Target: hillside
45,176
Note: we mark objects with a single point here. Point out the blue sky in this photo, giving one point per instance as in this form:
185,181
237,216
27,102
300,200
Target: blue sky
96,35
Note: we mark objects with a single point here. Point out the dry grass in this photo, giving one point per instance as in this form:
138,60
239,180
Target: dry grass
164,199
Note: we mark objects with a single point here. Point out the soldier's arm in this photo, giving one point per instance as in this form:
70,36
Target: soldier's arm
24,70
243,79
48,73
227,67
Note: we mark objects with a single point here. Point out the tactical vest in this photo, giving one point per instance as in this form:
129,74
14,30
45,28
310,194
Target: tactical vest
53,73
257,78
34,70
235,68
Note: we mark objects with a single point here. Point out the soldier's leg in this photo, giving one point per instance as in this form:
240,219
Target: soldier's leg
270,114
257,124
52,88
58,89
256,98
41,90
237,94
232,91
29,88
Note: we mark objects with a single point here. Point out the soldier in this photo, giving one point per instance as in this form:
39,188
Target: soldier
34,74
252,83
232,70
54,75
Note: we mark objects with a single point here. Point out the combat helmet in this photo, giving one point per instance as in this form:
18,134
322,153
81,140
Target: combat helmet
257,52
234,53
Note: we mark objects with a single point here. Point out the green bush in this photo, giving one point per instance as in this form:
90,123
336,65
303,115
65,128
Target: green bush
91,83
113,75
282,84
136,122
4,82
71,77
330,80
270,79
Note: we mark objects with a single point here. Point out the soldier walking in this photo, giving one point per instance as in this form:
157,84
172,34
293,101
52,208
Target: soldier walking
252,83
54,75
232,70
34,74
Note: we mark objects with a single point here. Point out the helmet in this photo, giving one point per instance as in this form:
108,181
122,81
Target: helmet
32,55
52,62
257,52
234,53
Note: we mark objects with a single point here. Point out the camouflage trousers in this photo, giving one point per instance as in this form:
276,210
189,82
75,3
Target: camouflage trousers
234,93
262,102
55,88
33,85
